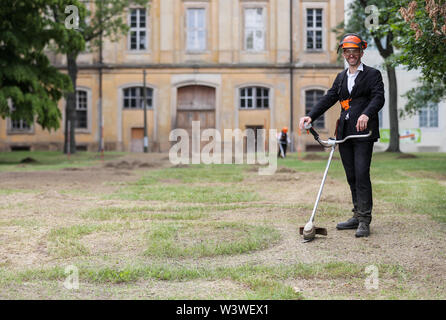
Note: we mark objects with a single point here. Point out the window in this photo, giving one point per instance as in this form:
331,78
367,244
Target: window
138,29
81,109
254,29
134,97
196,29
314,29
254,98
20,125
311,98
428,117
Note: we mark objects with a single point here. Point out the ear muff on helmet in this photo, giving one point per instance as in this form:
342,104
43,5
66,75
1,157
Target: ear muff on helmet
352,40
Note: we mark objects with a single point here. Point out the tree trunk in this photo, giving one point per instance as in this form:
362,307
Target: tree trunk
70,109
386,52
394,144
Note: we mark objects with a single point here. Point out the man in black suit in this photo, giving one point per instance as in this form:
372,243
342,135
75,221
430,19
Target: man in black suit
360,91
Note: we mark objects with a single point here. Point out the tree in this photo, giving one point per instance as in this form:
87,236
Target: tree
105,20
423,46
29,86
383,36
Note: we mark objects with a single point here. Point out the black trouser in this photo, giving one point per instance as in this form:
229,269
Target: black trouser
356,157
284,145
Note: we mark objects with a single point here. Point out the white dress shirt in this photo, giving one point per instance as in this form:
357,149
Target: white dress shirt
352,77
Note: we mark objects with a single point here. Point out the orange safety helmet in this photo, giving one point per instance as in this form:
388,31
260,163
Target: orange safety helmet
352,40
285,129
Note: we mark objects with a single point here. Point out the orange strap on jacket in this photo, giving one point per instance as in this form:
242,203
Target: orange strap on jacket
345,104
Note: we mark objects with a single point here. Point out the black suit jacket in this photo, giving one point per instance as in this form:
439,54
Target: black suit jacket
367,98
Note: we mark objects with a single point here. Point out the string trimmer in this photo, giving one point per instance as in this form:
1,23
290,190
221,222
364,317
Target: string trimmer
309,231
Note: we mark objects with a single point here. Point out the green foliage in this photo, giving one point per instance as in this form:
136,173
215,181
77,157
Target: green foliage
28,82
383,34
423,47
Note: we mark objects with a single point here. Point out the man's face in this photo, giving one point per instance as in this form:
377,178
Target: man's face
353,56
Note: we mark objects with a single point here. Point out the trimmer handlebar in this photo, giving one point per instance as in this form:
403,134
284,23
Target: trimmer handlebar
332,141
314,133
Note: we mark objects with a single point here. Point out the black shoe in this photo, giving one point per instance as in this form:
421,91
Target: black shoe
351,223
363,230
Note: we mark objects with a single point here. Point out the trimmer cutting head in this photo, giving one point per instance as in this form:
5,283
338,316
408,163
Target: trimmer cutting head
310,231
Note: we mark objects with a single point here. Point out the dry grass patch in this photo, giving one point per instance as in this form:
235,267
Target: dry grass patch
200,239
65,242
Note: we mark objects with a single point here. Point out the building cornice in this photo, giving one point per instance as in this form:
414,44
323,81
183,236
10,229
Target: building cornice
96,66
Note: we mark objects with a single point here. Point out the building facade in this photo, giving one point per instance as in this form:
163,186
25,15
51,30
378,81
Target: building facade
227,63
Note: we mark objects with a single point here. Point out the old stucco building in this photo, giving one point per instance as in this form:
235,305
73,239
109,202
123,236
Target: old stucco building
224,62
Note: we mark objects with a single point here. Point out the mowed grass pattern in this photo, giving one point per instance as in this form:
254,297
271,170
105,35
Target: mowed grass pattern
185,184
65,242
192,224
207,239
186,193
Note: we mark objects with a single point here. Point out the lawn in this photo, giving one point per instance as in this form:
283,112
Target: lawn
134,226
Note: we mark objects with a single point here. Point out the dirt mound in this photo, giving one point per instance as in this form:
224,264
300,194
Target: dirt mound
29,160
123,165
72,169
313,156
407,156
126,165
146,165
119,165
252,168
180,165
285,170
109,165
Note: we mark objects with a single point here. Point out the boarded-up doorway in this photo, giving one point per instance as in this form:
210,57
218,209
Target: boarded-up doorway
137,142
195,103
257,136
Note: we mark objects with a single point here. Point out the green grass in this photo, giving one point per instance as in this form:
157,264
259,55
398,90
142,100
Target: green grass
185,194
422,196
207,239
132,273
189,185
50,160
261,282
26,223
7,192
194,174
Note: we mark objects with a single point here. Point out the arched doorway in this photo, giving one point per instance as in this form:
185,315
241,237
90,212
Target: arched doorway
195,103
